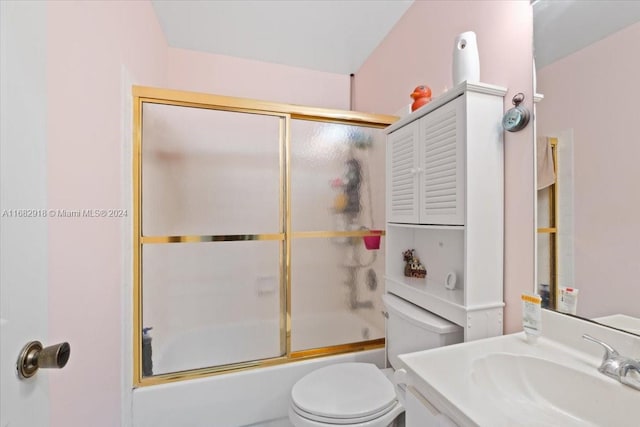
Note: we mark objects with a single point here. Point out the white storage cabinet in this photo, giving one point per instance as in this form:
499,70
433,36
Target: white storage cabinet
445,198
426,168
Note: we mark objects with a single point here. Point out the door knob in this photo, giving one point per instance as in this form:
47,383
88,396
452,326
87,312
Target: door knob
33,356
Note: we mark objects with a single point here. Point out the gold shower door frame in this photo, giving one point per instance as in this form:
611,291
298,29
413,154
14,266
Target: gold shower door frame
285,113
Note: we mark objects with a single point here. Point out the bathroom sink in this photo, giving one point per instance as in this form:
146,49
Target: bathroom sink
550,393
507,381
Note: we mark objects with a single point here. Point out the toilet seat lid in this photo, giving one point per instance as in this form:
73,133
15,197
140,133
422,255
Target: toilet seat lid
345,390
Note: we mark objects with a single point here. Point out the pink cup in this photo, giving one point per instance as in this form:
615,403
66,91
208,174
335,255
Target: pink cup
372,242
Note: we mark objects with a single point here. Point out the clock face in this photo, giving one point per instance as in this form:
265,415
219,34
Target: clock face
515,119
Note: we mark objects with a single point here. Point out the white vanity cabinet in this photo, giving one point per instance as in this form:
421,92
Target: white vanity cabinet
419,412
445,199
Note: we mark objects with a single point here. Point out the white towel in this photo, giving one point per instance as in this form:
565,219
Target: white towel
546,172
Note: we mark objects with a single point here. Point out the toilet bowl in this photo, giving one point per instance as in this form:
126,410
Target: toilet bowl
348,394
361,394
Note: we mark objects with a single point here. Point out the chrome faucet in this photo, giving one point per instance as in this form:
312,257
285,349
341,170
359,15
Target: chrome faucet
618,367
630,373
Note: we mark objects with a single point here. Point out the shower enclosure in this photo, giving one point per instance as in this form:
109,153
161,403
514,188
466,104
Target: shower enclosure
249,220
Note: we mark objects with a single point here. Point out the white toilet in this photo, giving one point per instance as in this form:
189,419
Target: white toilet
360,394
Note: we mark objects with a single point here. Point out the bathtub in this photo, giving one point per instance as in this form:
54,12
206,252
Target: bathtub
257,340
258,397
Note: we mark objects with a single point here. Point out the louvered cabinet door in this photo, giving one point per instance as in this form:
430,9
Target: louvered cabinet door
442,168
402,179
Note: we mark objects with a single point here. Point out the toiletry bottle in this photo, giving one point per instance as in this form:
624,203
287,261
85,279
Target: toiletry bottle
147,362
545,294
531,317
568,301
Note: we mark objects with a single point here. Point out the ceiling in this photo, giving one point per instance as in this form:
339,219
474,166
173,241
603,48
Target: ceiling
325,35
561,27
339,35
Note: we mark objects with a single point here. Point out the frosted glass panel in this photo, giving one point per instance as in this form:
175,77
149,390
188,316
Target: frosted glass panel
209,172
335,292
337,177
337,184
211,304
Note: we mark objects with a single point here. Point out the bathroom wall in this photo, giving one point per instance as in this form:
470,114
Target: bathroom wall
602,112
245,78
94,51
418,50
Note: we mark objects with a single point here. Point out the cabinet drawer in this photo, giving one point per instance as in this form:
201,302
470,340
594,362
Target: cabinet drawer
421,413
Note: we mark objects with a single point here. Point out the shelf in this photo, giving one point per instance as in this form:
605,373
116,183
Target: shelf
446,97
432,288
426,226
431,296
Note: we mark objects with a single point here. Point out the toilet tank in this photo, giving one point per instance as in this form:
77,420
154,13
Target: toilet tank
411,328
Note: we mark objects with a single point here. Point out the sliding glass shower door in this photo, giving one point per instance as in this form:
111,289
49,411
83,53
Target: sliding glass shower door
249,219
212,233
337,192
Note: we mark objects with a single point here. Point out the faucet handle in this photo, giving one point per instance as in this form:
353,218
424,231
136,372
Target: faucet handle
610,361
610,352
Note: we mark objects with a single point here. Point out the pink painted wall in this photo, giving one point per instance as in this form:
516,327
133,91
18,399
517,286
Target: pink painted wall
418,50
230,76
593,92
88,44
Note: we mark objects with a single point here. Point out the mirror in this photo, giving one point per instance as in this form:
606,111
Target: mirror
587,56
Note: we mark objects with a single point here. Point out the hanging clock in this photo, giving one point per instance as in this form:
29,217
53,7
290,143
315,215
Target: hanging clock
516,118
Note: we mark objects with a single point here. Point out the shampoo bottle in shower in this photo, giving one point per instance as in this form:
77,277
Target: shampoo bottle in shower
147,361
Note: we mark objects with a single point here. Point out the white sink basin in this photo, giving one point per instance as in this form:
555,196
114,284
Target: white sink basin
505,382
550,393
